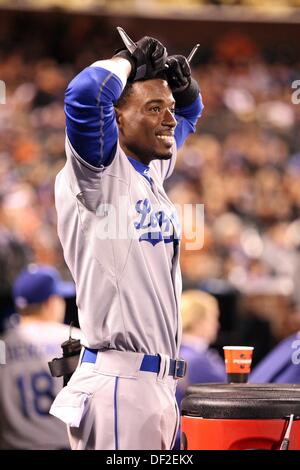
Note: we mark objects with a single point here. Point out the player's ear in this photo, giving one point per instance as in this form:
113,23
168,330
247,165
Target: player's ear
119,117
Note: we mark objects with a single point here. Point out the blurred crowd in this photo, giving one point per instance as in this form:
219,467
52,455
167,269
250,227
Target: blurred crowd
243,164
271,4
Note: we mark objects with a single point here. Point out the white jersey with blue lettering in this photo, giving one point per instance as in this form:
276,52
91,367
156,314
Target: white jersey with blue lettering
27,389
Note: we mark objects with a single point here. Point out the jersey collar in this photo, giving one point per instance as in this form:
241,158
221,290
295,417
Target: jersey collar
141,168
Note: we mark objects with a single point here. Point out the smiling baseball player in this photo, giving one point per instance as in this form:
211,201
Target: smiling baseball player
125,118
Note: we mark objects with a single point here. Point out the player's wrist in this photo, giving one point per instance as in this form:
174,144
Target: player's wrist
188,95
125,59
117,65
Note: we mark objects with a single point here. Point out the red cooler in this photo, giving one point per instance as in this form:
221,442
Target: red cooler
240,417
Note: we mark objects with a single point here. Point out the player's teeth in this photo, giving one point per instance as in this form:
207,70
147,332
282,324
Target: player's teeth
167,138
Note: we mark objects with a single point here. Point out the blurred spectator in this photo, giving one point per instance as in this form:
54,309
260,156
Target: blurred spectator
281,365
14,256
26,386
200,324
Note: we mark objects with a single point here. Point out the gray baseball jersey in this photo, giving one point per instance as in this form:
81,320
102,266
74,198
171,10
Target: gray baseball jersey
125,268
118,228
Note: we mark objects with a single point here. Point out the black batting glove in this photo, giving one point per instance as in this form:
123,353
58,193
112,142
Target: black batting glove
148,59
178,72
184,88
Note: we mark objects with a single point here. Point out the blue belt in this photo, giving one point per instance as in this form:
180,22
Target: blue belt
149,363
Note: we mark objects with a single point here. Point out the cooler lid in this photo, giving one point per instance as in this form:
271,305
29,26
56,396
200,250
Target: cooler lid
242,401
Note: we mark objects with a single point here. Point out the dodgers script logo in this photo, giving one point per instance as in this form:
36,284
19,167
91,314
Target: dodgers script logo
156,226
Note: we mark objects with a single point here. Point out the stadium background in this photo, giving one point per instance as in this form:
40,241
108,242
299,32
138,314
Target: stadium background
243,164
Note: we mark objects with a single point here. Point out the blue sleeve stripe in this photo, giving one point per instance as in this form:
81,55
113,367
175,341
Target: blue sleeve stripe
193,109
187,118
78,157
90,114
182,131
105,81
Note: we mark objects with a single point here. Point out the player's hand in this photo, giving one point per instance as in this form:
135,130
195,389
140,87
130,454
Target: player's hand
178,73
148,59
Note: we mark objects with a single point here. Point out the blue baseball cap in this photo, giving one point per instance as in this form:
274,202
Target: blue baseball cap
37,283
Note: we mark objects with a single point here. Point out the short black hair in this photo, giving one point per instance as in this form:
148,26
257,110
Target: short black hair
123,99
128,90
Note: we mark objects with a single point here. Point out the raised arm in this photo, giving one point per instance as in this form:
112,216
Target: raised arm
90,97
187,117
187,96
89,107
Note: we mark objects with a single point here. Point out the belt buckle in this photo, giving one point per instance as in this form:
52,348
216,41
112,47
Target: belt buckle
180,369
